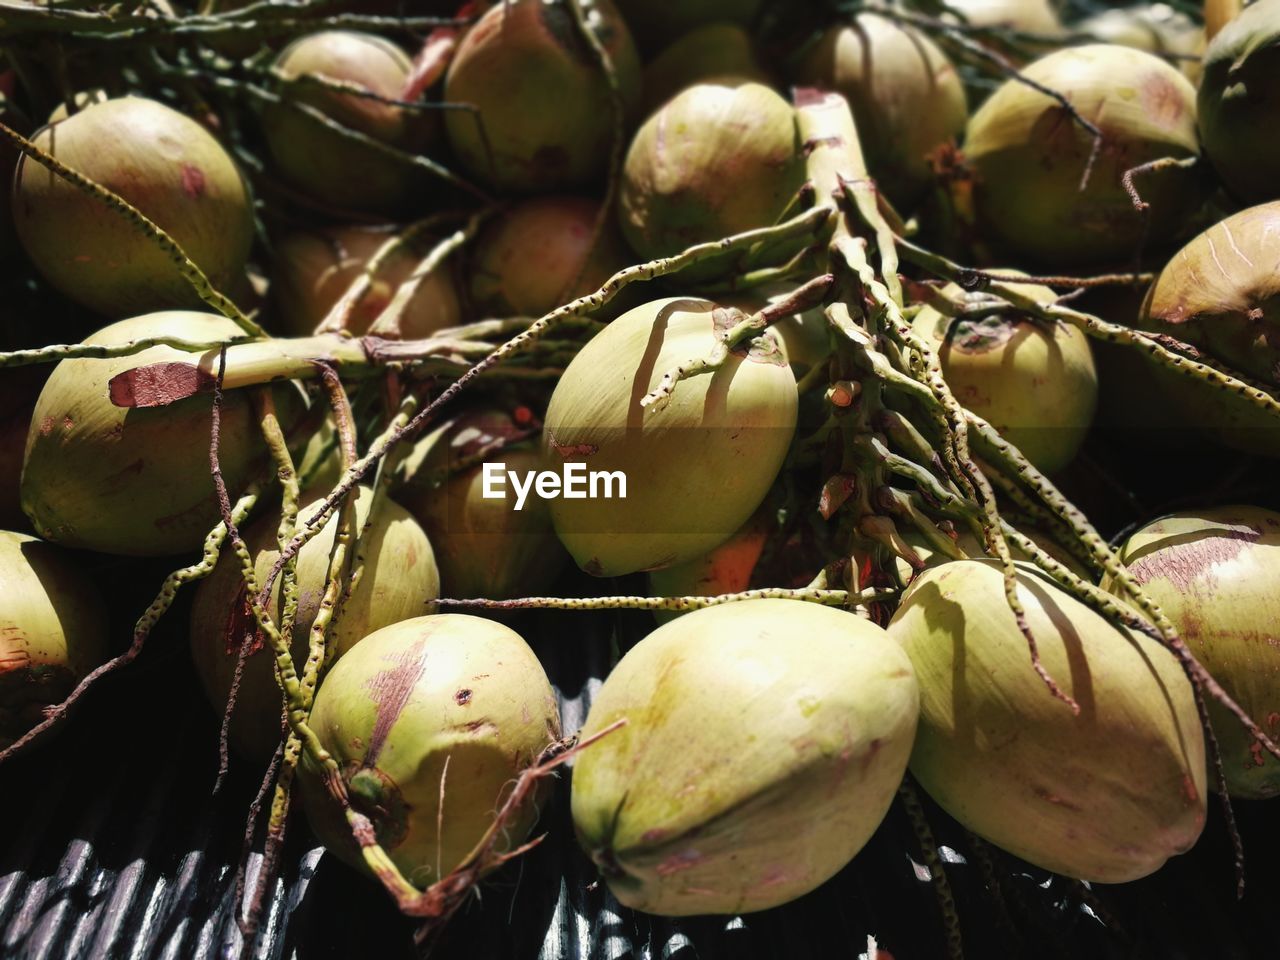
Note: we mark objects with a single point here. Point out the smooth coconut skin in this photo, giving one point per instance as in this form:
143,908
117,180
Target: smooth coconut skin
907,98
327,166
764,742
1221,293
1106,796
313,269
166,165
1030,16
1239,100
1216,575
405,700
1028,157
136,482
398,579
717,159
539,255
52,630
518,58
715,50
697,468
1036,385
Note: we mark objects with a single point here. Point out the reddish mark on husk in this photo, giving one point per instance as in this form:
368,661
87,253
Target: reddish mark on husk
1054,799
462,697
1189,788
241,623
656,835
46,426
1183,564
158,384
192,181
390,690
684,860
569,450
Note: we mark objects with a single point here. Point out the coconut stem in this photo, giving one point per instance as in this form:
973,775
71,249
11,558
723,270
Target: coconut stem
200,283
830,598
937,873
94,351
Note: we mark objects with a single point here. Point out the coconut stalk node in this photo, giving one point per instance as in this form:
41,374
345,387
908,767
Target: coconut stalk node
53,630
136,482
1221,294
1106,795
1033,381
1215,574
763,745
696,468
518,58
397,582
166,165
540,254
907,98
1029,157
314,268
717,159
446,709
805,337
334,169
1239,100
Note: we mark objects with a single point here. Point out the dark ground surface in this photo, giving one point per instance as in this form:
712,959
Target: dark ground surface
115,846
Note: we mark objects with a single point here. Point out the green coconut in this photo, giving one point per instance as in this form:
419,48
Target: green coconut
1221,293
1239,101
764,742
657,23
1155,27
729,568
53,630
1034,382
397,581
1107,795
715,50
539,255
136,482
1028,157
697,467
1216,575
321,162
1028,16
717,159
314,268
166,165
907,98
545,115
409,699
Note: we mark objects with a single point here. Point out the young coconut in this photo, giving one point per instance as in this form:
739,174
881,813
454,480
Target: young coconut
397,580
764,742
431,721
1027,16
136,482
728,568
695,468
166,165
1034,382
1105,795
1155,27
314,268
1216,575
1239,100
1221,294
906,96
539,255
715,50
53,631
718,158
657,23
332,168
519,59
1029,157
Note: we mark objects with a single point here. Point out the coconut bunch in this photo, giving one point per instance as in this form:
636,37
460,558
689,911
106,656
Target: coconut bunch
822,308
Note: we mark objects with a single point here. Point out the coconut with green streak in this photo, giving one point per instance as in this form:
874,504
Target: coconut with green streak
395,579
53,630
166,165
1105,795
764,742
445,709
543,118
1221,294
717,159
1033,381
1216,575
130,481
697,467
1029,157
907,97
1239,100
